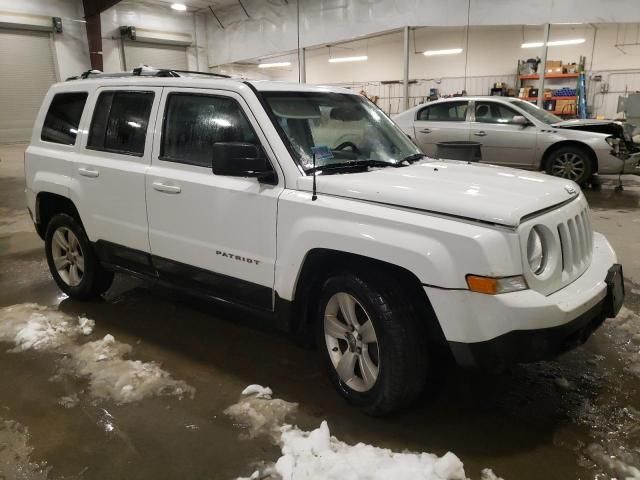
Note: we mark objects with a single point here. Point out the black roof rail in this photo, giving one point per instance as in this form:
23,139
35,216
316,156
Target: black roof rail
145,71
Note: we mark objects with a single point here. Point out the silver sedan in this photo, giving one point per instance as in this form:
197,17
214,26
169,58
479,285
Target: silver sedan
518,134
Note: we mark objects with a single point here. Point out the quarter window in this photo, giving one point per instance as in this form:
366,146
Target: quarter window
444,112
193,123
120,121
63,118
493,112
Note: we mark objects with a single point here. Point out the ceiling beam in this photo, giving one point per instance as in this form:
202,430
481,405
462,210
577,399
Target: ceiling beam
92,11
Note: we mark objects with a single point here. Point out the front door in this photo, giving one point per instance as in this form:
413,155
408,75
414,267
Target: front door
441,122
215,234
503,142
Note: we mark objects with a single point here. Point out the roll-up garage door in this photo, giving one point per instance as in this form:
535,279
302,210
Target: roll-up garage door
155,55
26,72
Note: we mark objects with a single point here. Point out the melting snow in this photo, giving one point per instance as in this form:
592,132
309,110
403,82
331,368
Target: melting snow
318,455
15,453
259,391
111,376
626,333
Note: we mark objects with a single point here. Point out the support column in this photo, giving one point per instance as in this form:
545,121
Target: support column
405,73
302,66
545,48
94,38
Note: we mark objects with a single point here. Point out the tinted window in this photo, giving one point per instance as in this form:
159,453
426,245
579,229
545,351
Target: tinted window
119,122
493,112
444,112
63,118
193,123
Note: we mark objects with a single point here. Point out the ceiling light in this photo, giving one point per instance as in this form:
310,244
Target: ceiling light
181,7
348,59
555,43
574,41
449,51
275,64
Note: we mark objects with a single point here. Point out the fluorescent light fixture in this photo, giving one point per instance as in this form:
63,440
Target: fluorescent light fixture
360,58
274,64
568,23
555,43
558,43
448,51
181,7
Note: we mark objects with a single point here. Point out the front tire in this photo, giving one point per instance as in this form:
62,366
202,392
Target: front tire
72,261
372,342
572,163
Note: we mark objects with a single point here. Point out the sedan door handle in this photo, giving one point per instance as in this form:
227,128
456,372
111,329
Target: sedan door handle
425,130
163,187
87,172
481,133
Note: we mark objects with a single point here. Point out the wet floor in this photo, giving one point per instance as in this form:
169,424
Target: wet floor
577,417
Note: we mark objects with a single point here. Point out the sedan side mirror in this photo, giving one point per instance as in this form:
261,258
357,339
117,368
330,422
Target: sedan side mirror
520,120
239,159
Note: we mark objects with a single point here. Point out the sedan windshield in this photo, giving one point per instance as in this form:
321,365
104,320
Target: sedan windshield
537,112
339,129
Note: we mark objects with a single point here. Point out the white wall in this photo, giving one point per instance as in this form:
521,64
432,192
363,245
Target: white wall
71,50
272,26
152,17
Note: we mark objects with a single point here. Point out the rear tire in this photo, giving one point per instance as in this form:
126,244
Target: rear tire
376,353
572,163
72,261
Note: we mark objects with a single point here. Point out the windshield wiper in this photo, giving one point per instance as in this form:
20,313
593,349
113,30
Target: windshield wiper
414,157
353,164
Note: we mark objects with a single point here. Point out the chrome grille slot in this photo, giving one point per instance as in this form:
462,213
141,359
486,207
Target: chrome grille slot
576,241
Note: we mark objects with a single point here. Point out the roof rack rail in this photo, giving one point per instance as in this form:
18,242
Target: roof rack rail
145,71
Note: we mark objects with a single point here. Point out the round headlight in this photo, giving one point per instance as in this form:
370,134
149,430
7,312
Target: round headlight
536,251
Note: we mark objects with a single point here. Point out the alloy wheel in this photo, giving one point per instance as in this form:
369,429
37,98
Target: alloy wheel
68,257
568,165
352,342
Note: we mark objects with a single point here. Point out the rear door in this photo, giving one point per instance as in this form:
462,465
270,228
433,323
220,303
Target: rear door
211,233
441,122
503,142
109,171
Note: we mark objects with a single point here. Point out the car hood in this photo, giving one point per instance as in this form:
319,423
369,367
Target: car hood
608,127
486,193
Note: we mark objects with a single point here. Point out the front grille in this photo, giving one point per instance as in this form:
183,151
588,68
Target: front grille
576,241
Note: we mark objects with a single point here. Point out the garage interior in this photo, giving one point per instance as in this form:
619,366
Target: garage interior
573,417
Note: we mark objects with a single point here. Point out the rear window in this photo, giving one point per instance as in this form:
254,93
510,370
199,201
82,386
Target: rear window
120,121
63,118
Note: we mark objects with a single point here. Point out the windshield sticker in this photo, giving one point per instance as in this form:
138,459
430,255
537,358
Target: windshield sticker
323,152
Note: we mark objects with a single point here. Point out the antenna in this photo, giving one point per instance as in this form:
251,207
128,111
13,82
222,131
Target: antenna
314,193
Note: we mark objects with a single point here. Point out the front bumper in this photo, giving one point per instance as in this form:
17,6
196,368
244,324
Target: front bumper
495,330
610,163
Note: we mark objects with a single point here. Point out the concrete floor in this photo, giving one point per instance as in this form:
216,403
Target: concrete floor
555,420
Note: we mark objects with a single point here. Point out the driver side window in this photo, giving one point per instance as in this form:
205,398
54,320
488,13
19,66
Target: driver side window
494,112
444,112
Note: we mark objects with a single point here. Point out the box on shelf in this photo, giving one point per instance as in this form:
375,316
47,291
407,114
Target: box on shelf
548,93
553,66
570,67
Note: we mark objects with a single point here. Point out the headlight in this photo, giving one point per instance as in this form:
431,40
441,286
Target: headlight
536,251
613,141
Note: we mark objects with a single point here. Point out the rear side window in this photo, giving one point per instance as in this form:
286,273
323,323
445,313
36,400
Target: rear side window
120,121
193,123
63,118
444,112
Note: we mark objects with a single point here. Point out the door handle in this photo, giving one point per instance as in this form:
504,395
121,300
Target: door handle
87,172
481,133
425,130
163,187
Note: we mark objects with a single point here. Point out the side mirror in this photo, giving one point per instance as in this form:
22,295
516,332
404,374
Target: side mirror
238,159
520,120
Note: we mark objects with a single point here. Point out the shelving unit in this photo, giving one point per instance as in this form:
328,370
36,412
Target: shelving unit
565,110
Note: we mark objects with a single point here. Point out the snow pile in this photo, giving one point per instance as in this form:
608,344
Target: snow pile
33,327
259,414
618,464
124,381
626,334
318,455
15,453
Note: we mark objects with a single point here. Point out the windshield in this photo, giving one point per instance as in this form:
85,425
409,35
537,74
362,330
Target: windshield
338,128
537,112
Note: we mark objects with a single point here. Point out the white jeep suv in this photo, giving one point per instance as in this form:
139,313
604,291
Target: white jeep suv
308,204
